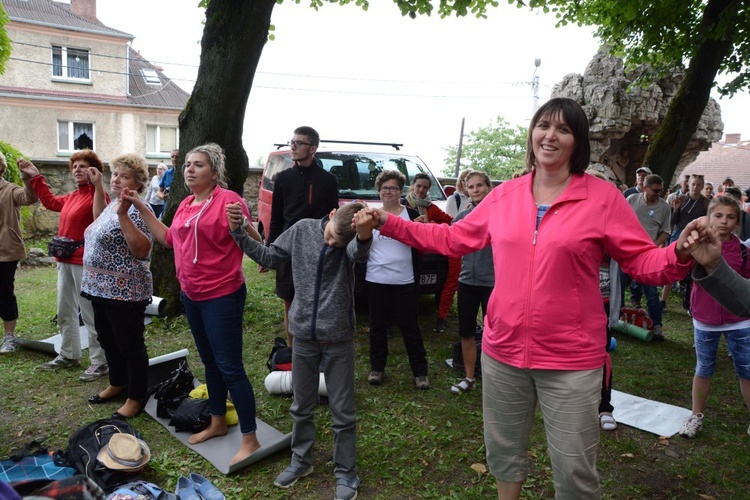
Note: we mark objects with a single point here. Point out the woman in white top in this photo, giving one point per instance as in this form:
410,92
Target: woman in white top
392,292
157,204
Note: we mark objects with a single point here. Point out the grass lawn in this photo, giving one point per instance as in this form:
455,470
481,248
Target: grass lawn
411,444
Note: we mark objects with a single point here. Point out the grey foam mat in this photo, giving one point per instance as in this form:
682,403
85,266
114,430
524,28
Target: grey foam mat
219,450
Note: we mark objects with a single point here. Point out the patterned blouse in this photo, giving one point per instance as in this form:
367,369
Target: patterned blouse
110,270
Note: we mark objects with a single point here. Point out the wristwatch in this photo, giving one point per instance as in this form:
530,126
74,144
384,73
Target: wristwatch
245,222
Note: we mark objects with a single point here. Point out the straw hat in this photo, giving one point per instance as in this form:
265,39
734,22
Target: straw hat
124,452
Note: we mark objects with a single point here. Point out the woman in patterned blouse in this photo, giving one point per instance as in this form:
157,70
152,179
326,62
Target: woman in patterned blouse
117,280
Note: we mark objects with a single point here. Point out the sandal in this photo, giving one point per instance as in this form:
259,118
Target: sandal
607,422
465,385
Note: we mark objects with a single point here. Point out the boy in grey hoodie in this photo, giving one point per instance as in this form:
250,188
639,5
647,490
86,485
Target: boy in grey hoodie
321,320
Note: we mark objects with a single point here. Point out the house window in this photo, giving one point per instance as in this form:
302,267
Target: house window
161,140
68,63
151,76
73,136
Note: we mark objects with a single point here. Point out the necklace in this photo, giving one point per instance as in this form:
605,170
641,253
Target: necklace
553,193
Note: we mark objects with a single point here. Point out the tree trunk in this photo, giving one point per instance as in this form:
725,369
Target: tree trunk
233,39
686,109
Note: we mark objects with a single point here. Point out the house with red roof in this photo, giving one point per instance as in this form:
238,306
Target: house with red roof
73,83
727,158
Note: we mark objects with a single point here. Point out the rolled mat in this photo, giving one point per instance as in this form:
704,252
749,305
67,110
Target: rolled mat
634,331
156,307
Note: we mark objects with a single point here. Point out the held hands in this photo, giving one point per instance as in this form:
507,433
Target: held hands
364,222
234,215
422,218
125,201
702,242
132,198
27,169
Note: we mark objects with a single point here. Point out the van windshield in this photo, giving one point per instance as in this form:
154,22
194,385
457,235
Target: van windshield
356,172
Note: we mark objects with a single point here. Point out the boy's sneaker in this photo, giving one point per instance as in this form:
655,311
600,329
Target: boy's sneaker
692,426
422,383
60,362
346,488
658,334
8,345
291,474
375,378
94,372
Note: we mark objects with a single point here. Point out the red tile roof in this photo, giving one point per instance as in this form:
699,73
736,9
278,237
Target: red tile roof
722,161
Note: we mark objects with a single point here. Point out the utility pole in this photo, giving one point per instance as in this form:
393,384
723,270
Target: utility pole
535,86
460,146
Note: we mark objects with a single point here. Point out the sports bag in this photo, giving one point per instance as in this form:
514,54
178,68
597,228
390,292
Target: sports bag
62,247
84,445
171,391
280,358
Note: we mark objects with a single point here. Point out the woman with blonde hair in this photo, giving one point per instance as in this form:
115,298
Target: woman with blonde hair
209,269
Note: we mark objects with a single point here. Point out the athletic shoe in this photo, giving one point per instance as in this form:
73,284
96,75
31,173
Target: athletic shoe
60,362
422,383
94,372
692,426
346,488
439,326
375,378
8,345
658,334
291,475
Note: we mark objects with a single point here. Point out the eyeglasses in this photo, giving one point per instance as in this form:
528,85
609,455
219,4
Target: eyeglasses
699,176
389,189
656,191
296,144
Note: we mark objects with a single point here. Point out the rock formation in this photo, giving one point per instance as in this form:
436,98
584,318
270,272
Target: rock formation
623,115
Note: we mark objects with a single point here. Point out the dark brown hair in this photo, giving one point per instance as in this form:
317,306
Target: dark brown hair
572,113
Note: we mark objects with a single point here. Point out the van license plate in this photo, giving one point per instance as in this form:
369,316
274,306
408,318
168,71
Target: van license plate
428,279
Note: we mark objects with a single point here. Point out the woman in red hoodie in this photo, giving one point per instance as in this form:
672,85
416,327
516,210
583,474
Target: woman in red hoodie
545,329
76,213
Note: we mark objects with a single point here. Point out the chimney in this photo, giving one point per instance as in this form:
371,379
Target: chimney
84,8
732,139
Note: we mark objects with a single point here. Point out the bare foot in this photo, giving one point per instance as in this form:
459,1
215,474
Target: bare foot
217,427
131,408
249,446
111,391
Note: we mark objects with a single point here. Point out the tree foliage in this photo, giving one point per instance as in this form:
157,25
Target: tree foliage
5,46
499,149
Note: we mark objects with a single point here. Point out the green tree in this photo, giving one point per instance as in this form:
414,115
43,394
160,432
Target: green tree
5,46
499,149
703,37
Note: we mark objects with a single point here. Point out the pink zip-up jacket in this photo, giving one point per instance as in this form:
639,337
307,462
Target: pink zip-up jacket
546,309
703,307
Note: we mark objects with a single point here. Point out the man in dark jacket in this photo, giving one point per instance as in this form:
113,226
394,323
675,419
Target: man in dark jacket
305,191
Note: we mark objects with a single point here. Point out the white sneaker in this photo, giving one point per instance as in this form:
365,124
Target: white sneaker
8,345
692,426
94,372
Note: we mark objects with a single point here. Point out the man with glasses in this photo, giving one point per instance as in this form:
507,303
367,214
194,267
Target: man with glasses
305,191
654,215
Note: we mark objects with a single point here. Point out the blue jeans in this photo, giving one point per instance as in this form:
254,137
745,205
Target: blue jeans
707,344
216,325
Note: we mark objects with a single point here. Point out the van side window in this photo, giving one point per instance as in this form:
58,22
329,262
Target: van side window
276,164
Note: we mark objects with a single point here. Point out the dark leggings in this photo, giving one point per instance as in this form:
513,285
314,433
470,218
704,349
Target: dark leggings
8,302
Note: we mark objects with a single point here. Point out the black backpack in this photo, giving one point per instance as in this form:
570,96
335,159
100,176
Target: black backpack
280,358
84,446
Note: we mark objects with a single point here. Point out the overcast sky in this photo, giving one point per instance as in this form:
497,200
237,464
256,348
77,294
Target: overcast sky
377,76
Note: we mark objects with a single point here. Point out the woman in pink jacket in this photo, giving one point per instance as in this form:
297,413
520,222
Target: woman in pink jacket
544,332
